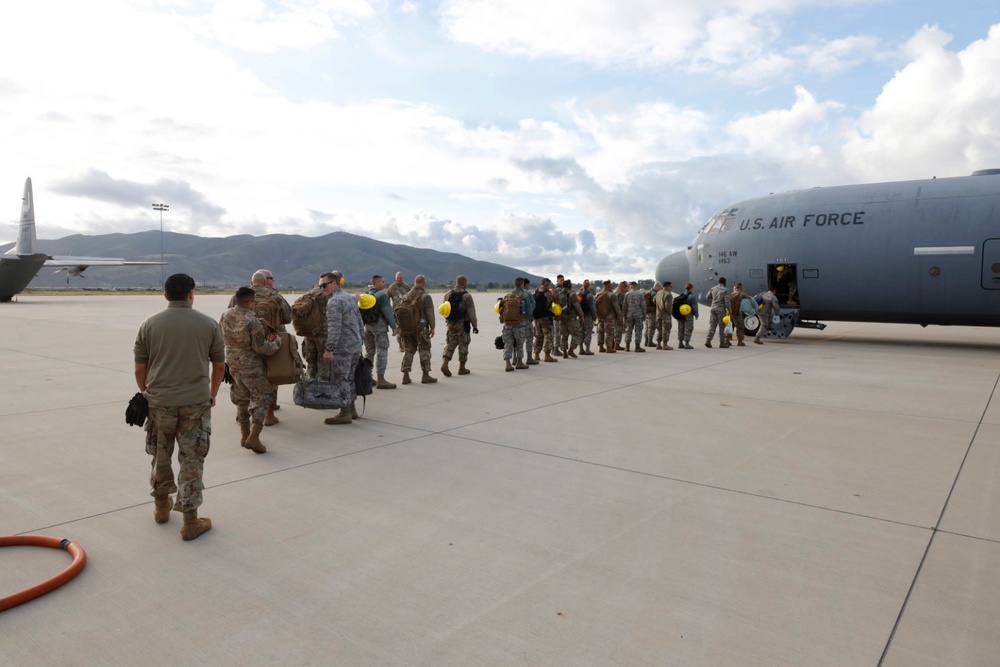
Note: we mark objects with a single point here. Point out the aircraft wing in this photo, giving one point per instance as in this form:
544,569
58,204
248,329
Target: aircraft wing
74,266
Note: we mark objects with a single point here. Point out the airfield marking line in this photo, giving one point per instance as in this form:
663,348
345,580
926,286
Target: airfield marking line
937,526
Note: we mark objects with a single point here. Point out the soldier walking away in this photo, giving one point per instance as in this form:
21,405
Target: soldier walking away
173,351
718,297
343,345
741,304
378,320
769,310
461,319
418,331
246,346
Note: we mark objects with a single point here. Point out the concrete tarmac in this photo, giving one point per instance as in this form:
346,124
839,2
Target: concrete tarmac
830,499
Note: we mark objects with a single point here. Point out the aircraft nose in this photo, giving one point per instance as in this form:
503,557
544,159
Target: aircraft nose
674,268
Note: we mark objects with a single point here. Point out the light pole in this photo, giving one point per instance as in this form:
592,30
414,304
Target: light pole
161,208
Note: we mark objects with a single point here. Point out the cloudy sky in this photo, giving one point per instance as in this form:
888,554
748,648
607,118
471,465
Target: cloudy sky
552,135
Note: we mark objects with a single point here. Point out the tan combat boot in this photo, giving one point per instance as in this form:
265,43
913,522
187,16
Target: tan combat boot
520,365
659,346
427,379
600,348
571,353
538,356
406,377
253,442
462,370
244,432
193,526
270,419
549,357
343,417
508,366
383,383
444,367
667,347
163,505
354,412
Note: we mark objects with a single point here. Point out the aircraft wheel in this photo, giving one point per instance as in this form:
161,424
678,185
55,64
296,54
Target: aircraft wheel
750,325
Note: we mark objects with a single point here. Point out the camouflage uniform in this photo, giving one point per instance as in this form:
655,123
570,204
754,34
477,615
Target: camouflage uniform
620,322
528,325
718,296
607,325
544,329
650,323
685,326
513,334
737,315
343,340
396,294
377,333
419,343
570,325
314,346
664,307
635,315
246,347
589,315
175,345
284,316
457,332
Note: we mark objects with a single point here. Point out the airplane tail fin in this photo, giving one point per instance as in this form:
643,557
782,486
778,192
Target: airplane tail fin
26,233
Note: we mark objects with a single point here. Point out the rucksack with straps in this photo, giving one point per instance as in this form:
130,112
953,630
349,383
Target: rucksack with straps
679,301
541,306
603,305
371,315
510,310
307,316
408,317
457,313
268,311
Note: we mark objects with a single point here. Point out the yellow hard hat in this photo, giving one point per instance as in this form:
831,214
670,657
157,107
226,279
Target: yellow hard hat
556,309
445,309
367,301
779,268
685,309
496,307
726,320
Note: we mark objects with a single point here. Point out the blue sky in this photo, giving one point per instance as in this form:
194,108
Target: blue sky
582,137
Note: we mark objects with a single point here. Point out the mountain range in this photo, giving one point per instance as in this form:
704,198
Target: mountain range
296,261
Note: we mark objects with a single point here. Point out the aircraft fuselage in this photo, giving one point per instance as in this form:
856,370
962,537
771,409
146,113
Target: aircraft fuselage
922,252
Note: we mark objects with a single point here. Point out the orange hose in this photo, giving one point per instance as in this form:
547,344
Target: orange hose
79,560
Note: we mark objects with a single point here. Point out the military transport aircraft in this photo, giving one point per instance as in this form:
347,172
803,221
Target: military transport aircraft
921,252
20,264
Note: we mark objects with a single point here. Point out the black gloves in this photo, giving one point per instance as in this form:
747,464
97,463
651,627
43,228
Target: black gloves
137,410
227,376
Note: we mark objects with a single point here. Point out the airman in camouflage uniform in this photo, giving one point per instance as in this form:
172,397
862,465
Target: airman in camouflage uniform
572,320
513,332
685,327
344,339
635,315
171,351
419,343
620,322
649,328
397,290
544,330
457,332
314,346
664,320
607,324
377,333
589,315
528,323
719,297
556,321
246,346
738,311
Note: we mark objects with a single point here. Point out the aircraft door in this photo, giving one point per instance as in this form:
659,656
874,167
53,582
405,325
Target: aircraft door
785,278
991,264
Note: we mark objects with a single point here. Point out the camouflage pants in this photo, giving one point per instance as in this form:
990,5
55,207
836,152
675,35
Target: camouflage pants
606,333
663,326
738,319
513,342
588,332
457,337
619,330
715,321
633,324
377,345
570,332
556,334
252,394
527,334
685,328
342,368
543,335
419,344
312,352
190,426
650,328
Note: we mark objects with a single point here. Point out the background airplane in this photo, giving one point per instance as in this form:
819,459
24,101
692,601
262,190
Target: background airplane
921,252
21,263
